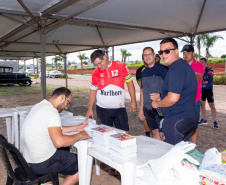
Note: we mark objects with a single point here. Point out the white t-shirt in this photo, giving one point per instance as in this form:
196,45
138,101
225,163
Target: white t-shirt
36,144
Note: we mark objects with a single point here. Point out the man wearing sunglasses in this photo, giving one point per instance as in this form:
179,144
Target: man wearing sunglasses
43,144
189,57
151,85
178,95
108,88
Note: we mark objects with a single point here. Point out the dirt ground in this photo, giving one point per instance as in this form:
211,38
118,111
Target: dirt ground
208,137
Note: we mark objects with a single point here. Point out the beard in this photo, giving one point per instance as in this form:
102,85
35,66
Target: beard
61,107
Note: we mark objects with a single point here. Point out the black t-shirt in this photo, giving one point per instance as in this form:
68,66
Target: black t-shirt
180,79
151,82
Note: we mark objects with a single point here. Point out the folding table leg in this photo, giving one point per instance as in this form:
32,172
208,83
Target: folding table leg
16,128
9,129
97,165
22,119
128,174
82,147
89,169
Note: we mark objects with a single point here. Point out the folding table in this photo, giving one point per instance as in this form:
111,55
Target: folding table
11,117
22,111
147,148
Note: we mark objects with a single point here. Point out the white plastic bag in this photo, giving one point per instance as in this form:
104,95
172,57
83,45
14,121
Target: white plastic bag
210,157
169,170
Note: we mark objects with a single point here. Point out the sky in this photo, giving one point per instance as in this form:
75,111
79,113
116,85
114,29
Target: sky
136,50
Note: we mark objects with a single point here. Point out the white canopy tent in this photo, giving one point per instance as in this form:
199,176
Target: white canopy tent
37,28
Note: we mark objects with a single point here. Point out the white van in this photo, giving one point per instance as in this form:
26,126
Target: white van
30,71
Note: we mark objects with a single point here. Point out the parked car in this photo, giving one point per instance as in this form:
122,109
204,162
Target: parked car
47,74
30,71
7,76
54,74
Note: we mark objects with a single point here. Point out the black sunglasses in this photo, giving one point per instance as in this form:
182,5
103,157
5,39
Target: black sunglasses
166,51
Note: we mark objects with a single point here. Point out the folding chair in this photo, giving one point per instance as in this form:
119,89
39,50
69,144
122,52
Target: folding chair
22,174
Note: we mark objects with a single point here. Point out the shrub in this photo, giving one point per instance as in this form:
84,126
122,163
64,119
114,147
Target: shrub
219,80
135,65
62,76
92,67
223,56
216,61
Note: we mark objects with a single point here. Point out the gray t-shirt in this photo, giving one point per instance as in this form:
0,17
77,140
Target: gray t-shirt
151,82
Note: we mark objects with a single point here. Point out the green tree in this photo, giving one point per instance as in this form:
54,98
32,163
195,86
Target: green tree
125,54
208,41
21,66
82,56
48,65
85,62
223,56
197,56
56,59
38,62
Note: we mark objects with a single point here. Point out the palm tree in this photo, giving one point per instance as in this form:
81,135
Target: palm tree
82,56
125,54
56,59
208,41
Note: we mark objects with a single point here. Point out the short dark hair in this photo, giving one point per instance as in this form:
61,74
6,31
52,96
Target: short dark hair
203,59
97,54
61,91
148,48
174,42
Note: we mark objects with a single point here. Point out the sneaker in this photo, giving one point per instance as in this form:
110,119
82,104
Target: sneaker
203,122
215,125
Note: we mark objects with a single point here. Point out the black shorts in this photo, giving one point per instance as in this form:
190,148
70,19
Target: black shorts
176,130
207,94
62,162
152,118
117,116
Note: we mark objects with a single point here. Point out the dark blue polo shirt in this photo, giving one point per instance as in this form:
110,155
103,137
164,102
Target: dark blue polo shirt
180,79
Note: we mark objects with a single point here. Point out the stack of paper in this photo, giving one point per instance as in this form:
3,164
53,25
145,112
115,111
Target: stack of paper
101,137
214,174
123,146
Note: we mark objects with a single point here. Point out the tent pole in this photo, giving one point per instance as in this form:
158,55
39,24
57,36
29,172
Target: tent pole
34,64
113,54
106,50
65,67
192,40
24,65
43,58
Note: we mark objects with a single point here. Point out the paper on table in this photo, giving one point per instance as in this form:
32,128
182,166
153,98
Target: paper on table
76,120
92,124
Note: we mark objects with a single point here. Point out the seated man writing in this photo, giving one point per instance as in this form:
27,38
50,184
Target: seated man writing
42,138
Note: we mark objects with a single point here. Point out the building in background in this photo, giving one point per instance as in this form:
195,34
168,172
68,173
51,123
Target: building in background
31,67
14,64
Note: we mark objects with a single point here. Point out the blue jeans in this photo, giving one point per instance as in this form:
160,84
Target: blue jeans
198,106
